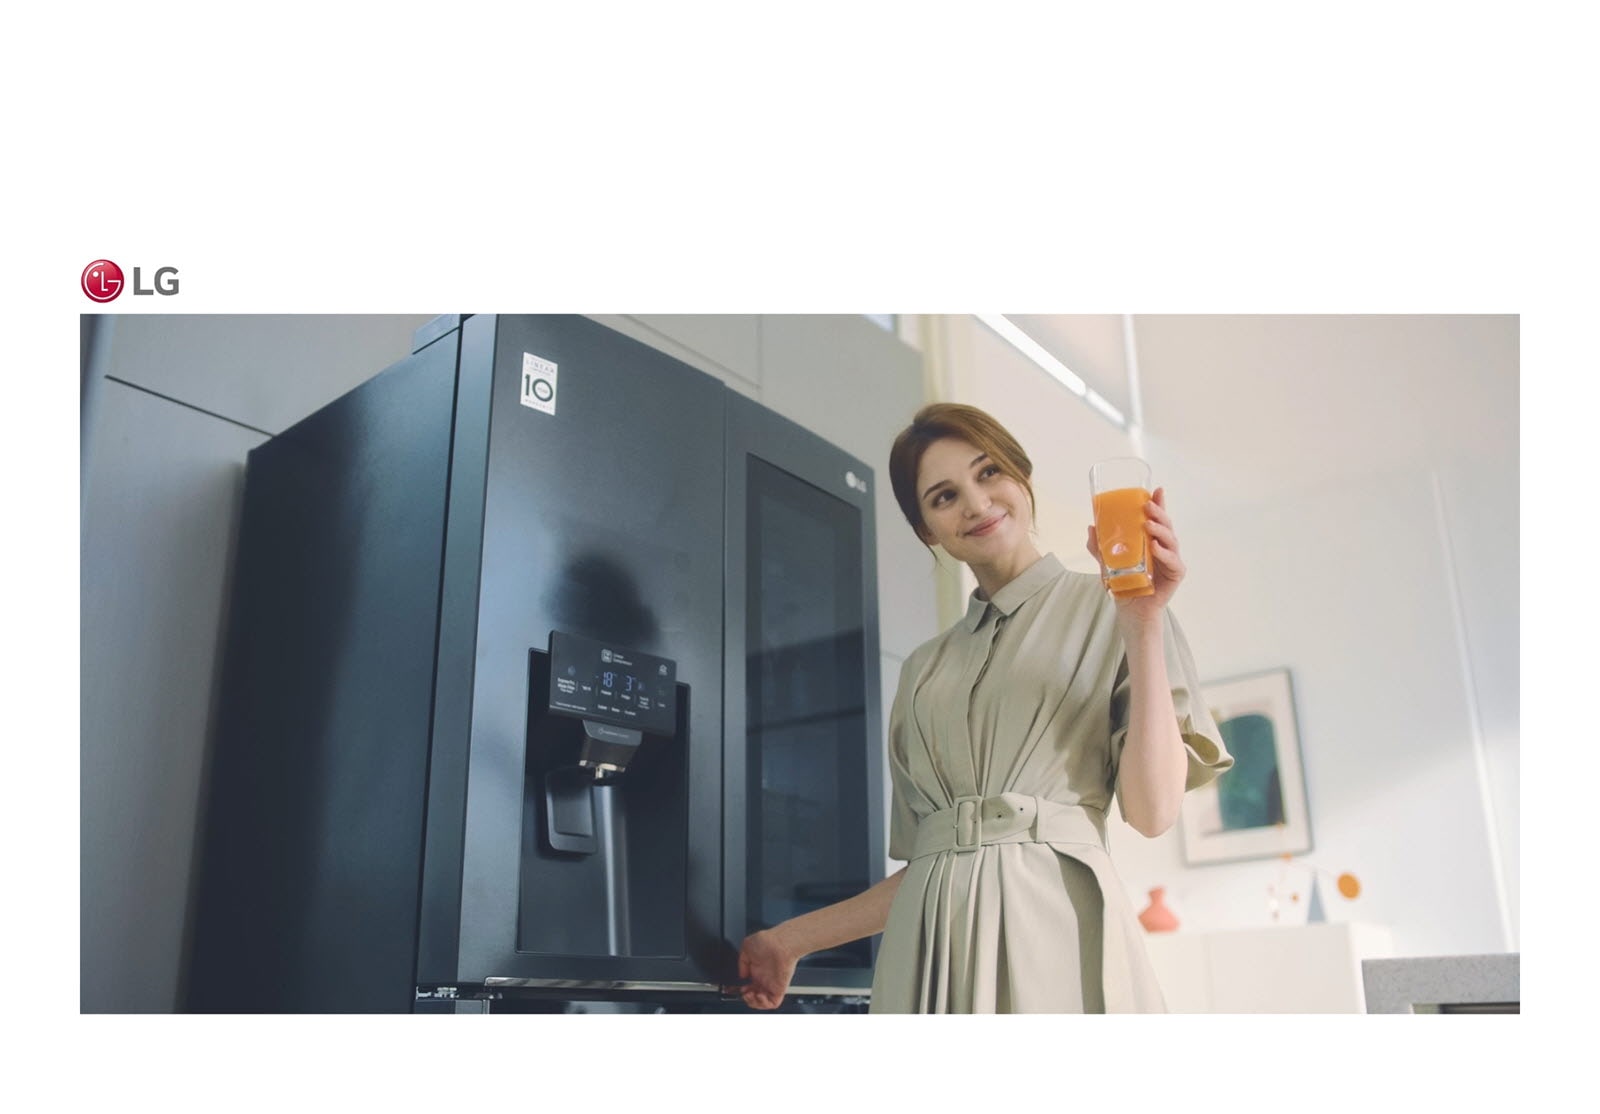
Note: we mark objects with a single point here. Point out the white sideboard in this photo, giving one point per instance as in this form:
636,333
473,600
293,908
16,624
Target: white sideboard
1312,968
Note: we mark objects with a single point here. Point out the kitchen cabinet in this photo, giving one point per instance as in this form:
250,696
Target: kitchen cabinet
1303,969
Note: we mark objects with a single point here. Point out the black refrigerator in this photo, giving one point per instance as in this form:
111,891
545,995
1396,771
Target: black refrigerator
551,672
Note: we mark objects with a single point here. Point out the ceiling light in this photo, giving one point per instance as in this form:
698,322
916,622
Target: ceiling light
1032,349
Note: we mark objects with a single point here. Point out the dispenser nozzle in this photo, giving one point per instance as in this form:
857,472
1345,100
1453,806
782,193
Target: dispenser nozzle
607,750
603,771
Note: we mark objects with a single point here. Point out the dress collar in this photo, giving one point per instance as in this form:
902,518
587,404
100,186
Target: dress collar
1016,592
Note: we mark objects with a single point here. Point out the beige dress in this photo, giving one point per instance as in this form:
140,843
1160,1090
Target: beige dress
1003,746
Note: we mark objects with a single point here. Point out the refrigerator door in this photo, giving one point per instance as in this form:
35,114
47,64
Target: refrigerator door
601,518
804,749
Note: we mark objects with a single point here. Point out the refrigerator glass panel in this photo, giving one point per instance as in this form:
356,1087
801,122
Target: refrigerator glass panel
806,704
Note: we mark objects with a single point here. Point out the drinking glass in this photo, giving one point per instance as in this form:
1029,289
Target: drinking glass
1120,488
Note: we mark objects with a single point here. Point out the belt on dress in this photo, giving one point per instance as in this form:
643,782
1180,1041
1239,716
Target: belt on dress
974,822
1129,982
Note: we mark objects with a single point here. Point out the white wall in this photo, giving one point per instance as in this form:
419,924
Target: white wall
1373,460
185,398
1393,787
1346,495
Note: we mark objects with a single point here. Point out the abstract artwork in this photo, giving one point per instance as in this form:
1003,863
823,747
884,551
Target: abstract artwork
1257,810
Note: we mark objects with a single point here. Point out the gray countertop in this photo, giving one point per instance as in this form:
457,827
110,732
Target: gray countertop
1444,984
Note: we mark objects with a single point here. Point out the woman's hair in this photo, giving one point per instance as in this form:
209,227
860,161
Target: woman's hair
937,421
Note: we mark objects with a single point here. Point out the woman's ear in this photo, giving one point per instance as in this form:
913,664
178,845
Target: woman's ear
925,536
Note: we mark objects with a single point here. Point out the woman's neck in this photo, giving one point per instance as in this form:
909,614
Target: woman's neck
993,577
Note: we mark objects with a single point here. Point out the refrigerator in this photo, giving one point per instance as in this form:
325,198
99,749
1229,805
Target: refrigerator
551,672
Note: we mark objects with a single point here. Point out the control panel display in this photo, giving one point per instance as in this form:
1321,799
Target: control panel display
613,684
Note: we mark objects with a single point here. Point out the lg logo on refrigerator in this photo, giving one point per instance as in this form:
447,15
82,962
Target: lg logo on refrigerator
103,280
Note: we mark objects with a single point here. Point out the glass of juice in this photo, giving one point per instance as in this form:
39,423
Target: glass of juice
1121,488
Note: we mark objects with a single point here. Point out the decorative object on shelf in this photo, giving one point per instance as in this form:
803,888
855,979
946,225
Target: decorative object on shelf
1281,890
1256,810
1156,916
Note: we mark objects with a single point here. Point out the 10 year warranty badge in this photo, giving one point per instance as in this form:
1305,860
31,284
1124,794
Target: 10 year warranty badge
538,383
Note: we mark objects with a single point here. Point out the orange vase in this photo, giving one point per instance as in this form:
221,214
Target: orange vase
1156,916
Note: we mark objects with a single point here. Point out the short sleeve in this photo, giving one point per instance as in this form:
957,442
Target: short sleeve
902,820
1208,757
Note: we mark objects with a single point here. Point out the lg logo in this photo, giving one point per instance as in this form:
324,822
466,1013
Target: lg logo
102,281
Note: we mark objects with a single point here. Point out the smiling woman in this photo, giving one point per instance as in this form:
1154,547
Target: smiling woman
963,483
1009,735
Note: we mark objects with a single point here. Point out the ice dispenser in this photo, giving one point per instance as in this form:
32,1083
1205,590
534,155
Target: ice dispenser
604,819
617,694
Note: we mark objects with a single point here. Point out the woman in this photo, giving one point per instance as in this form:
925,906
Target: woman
1009,734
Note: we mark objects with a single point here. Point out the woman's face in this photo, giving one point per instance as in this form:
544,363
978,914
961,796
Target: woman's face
976,512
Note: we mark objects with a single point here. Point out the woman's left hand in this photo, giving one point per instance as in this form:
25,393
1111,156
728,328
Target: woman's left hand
1166,565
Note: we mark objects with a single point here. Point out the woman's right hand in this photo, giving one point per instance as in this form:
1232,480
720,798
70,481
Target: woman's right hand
768,965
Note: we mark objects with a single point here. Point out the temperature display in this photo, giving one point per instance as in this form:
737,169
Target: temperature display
612,684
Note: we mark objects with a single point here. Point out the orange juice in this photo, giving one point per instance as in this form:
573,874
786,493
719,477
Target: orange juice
1119,527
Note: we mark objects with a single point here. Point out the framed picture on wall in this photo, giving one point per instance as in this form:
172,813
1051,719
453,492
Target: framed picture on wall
1257,810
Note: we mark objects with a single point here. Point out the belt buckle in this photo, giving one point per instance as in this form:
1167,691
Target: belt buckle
969,810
